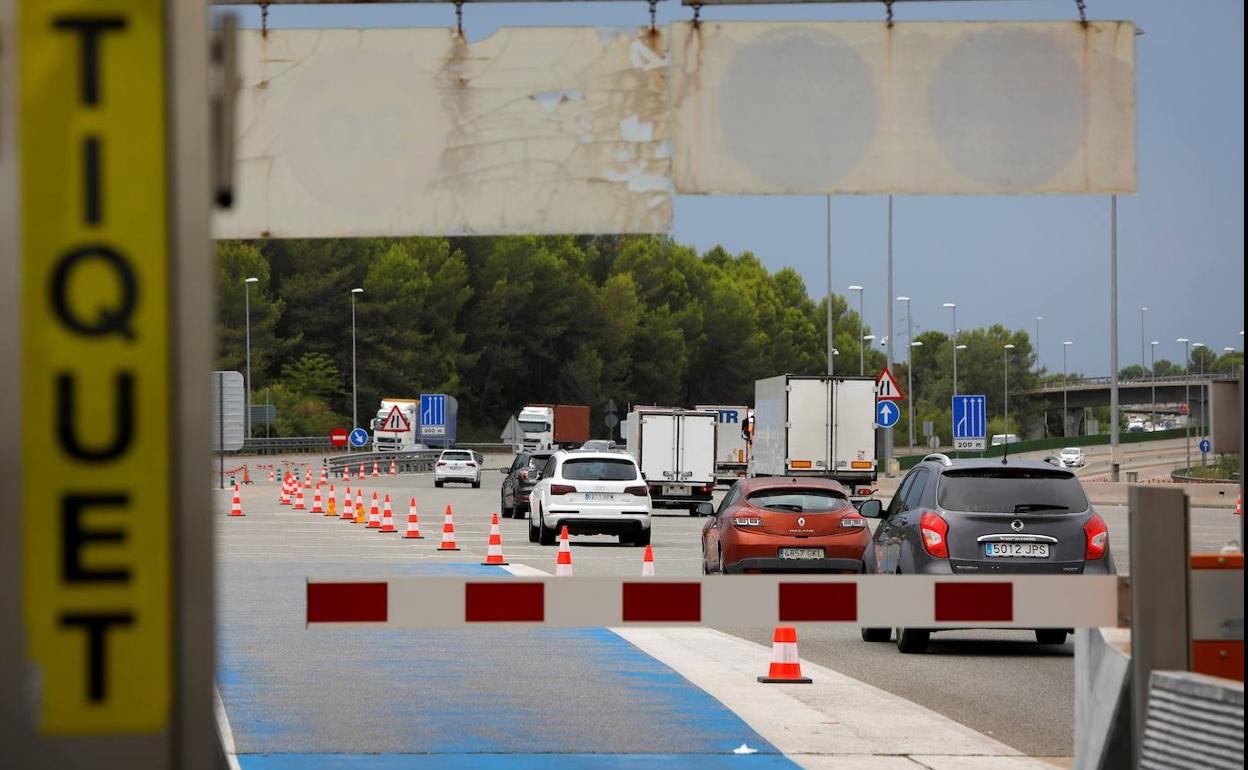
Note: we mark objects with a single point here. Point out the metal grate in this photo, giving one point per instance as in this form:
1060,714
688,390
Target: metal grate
1193,721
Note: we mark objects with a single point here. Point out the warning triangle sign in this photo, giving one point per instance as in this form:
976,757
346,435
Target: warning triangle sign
395,422
886,388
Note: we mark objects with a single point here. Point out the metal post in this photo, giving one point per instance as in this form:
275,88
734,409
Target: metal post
831,335
355,421
1187,398
1006,399
1160,634
862,348
1152,375
1065,380
247,313
888,347
1143,310
909,364
220,430
1039,318
1113,338
955,347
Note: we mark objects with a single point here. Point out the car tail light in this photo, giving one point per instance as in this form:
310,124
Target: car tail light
441,465
748,521
853,521
523,475
706,488
562,489
471,465
935,532
1096,537
640,491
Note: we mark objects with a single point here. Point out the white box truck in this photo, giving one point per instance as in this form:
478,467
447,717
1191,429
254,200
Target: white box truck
731,451
816,426
675,449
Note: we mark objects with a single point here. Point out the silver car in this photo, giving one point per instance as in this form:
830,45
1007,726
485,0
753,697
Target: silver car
459,465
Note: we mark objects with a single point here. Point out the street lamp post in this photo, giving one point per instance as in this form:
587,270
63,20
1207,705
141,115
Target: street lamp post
861,353
1065,423
909,367
355,420
1152,375
1143,310
1006,400
954,307
1039,318
1187,396
247,313
1200,426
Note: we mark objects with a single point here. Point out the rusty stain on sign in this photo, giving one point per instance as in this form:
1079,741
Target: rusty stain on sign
916,108
388,132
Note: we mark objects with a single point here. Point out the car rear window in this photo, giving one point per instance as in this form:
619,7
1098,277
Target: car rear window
537,461
1010,490
799,500
457,455
599,470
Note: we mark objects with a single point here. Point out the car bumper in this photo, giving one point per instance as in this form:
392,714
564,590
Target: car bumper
772,564
453,476
1102,566
598,522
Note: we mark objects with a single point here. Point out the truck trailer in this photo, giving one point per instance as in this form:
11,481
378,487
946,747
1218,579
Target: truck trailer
554,426
816,426
731,449
675,449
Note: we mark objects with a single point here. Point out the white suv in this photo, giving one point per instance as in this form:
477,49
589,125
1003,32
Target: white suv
1071,457
592,493
460,465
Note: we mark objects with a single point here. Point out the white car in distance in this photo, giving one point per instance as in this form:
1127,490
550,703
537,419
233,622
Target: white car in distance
460,465
1072,457
591,493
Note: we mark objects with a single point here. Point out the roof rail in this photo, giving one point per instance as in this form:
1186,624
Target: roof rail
940,458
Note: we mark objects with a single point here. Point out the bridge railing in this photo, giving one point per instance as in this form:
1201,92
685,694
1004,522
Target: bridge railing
1169,379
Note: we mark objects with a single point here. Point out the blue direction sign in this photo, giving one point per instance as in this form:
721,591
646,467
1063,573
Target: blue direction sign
432,414
1205,446
358,438
970,423
886,414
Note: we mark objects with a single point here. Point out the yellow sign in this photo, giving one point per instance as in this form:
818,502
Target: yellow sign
97,516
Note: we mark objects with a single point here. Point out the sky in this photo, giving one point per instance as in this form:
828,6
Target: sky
1005,259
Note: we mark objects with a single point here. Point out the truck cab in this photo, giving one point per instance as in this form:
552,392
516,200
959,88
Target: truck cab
538,424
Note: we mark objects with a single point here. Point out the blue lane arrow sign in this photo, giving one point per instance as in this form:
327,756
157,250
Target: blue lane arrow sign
887,414
358,437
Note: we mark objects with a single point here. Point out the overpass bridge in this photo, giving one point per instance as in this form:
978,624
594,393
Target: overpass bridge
1158,395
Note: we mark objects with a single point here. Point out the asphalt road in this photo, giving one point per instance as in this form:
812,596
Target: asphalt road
999,683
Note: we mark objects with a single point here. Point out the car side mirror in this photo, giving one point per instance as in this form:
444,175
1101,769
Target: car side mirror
870,509
706,509
504,471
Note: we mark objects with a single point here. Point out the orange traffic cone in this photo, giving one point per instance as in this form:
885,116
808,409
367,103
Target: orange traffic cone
347,513
307,479
374,514
317,507
387,517
361,471
285,498
359,506
272,475
1239,505
375,473
331,503
246,475
299,506
494,552
394,468
448,532
647,563
413,523
563,560
785,667
236,507
324,475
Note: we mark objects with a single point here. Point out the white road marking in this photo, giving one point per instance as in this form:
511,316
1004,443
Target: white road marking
223,730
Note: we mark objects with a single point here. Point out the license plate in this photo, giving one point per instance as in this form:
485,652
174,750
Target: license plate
599,496
1017,550
676,489
801,553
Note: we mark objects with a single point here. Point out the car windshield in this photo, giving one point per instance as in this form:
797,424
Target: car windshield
456,455
1070,451
1010,490
534,426
599,469
537,461
799,500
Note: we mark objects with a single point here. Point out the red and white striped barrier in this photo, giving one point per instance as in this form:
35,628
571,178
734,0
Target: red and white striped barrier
885,601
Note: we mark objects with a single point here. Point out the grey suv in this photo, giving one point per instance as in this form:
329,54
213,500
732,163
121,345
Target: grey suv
984,517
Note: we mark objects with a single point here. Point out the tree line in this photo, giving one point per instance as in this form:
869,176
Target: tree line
499,322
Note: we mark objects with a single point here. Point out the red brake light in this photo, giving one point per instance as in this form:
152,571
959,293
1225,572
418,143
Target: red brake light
1096,537
562,489
935,532
524,475
640,491
471,465
441,465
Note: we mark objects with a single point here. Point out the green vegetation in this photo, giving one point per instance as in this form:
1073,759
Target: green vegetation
1225,467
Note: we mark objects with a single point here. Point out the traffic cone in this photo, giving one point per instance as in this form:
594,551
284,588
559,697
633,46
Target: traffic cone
375,473
387,517
785,668
448,532
413,523
647,563
347,513
307,479
361,471
359,506
394,468
285,498
236,507
1239,505
374,514
494,552
246,475
272,475
298,506
331,504
317,507
563,560
324,475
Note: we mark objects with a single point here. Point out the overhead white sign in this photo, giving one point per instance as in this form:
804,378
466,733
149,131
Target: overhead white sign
229,401
392,132
915,108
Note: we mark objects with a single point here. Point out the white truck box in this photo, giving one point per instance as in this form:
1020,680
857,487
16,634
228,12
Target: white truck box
731,453
816,426
675,449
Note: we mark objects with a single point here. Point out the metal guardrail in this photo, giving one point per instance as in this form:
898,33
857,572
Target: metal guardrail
277,445
412,461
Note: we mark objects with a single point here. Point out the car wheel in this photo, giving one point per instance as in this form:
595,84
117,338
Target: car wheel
545,535
1051,635
913,640
532,530
641,538
438,484
476,485
876,634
